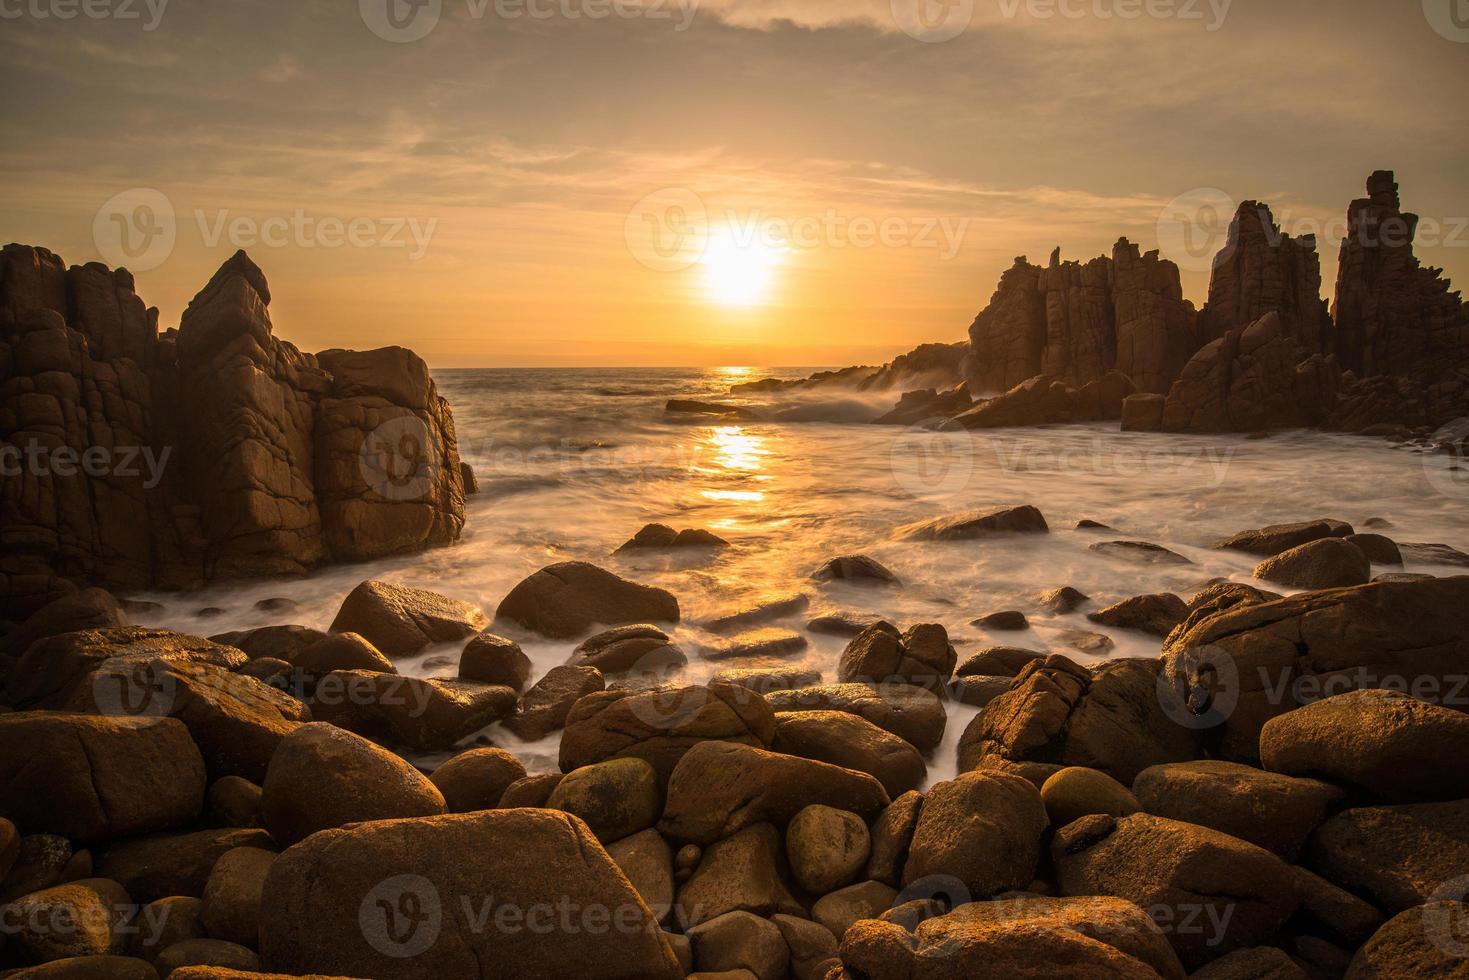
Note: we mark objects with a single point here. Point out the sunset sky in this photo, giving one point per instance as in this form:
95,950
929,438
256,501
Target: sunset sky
515,182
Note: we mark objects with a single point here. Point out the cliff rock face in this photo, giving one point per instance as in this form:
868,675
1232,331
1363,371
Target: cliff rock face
1252,379
1393,316
1263,270
213,452
1075,323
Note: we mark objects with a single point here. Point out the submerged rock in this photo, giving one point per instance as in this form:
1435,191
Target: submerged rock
566,600
859,569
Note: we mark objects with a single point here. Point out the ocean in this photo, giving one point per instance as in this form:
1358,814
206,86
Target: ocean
572,462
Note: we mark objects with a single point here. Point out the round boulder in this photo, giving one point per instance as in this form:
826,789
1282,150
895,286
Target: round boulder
323,777
617,798
566,600
1415,753
477,779
827,848
492,659
1077,792
232,895
1328,563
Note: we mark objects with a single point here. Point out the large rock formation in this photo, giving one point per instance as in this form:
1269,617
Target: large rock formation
1393,316
1076,323
135,460
1253,378
1262,270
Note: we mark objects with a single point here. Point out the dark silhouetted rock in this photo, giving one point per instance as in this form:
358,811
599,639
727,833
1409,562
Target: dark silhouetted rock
855,568
567,600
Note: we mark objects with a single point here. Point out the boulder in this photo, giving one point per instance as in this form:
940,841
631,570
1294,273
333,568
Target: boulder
852,742
740,941
827,848
998,662
1415,753
741,873
858,569
91,968
1272,811
813,949
401,621
841,624
768,643
978,525
770,609
326,895
719,788
1143,412
431,715
212,953
911,713
491,659
1157,615
39,861
531,792
232,895
166,865
841,909
1139,553
1040,400
1379,549
1061,601
1240,668
880,654
978,692
566,600
1064,938
1267,542
661,536
1420,943
1399,856
93,778
763,680
272,642
82,918
892,833
1335,912
477,779
1256,963
545,707
1005,621
1219,597
616,798
236,721
167,921
983,829
1077,792
1216,892
1060,714
641,649
324,777
341,651
1326,564
87,609
56,668
661,725
647,861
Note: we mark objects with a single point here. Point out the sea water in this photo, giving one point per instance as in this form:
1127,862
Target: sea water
571,463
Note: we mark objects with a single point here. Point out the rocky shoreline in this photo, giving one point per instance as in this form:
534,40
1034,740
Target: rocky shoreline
1277,794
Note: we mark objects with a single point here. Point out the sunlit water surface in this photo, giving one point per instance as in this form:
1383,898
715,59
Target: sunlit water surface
572,462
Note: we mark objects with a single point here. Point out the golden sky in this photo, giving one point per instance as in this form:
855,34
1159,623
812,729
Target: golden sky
664,182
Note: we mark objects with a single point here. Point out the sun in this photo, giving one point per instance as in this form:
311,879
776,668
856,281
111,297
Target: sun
739,272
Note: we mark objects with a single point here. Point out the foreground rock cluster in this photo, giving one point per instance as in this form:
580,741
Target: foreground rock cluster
212,451
1279,794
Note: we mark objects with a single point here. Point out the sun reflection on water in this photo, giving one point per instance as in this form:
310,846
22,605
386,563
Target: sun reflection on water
735,455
